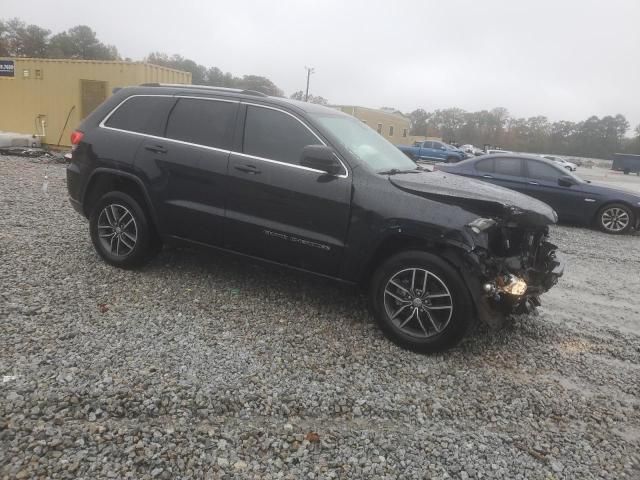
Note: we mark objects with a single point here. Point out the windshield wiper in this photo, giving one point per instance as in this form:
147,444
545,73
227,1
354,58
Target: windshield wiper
396,171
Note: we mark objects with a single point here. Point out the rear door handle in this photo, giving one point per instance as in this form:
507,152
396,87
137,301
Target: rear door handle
250,169
155,148
487,176
533,183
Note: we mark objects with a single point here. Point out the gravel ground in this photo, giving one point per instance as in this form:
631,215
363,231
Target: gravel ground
205,366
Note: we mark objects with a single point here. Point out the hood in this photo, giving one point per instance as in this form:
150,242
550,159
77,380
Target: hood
479,197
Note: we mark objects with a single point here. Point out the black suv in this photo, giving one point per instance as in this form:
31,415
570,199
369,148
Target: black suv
311,188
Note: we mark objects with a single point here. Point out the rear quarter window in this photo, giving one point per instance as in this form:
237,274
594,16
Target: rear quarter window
508,166
146,115
485,166
542,171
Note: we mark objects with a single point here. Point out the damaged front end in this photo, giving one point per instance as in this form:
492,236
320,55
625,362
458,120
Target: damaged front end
512,264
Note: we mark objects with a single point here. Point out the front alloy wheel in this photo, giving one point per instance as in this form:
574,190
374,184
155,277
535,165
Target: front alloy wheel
420,302
616,219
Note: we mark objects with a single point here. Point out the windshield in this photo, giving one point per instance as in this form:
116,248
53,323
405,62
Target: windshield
364,142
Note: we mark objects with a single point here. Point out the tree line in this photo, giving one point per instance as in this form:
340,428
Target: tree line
213,76
18,39
594,137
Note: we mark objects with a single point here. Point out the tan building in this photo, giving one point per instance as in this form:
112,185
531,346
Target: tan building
48,98
393,126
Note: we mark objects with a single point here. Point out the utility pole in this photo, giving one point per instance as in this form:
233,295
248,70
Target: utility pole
309,70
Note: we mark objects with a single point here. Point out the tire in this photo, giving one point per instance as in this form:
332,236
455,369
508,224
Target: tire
435,329
453,159
615,218
121,231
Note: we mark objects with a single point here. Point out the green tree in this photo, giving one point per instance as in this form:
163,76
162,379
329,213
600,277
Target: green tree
418,122
218,78
82,43
198,72
4,42
260,84
17,39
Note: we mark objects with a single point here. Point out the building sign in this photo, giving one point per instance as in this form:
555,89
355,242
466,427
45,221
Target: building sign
7,68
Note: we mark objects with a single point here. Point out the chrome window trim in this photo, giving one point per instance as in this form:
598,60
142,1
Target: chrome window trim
181,142
301,167
206,147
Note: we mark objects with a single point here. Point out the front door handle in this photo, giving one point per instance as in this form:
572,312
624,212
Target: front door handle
250,169
533,183
156,148
487,176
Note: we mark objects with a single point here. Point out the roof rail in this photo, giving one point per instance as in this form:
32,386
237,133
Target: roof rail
205,87
254,92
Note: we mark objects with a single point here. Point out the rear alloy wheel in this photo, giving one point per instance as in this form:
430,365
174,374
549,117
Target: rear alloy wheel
615,218
420,302
120,231
117,230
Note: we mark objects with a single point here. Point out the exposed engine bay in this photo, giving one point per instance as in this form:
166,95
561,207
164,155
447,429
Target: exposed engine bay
514,265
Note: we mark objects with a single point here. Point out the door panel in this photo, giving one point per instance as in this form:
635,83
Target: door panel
277,209
187,170
187,183
542,183
286,214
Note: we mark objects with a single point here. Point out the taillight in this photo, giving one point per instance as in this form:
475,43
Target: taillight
76,138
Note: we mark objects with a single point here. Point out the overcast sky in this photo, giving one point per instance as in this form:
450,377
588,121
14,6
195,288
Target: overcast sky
566,59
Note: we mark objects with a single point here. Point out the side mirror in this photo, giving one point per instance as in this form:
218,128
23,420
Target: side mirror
320,157
566,181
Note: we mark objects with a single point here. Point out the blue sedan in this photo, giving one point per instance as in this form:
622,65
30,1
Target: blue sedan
575,200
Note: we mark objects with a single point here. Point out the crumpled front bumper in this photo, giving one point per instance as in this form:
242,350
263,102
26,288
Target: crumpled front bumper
487,276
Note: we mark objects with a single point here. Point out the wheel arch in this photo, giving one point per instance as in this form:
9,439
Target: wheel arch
104,180
400,242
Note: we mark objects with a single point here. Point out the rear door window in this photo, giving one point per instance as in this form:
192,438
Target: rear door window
485,166
508,166
542,171
274,135
142,115
203,122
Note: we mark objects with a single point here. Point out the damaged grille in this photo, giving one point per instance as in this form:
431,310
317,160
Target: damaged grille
518,243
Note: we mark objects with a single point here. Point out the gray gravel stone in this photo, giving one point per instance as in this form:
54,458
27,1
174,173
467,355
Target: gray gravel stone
206,366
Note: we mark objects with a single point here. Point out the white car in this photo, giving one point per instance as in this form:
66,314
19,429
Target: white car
471,150
572,167
497,150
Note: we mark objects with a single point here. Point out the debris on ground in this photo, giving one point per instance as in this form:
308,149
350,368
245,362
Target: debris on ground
36,154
